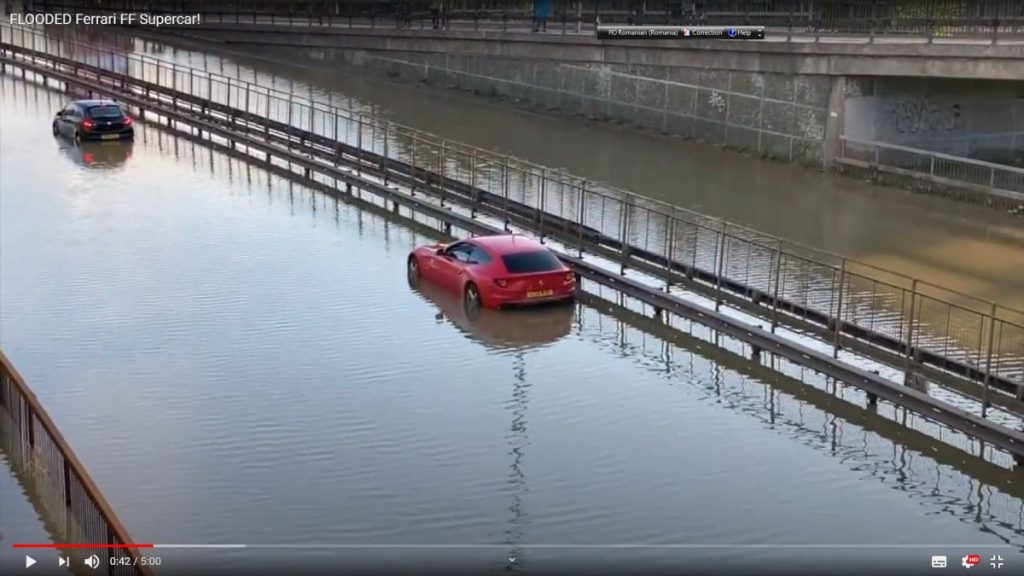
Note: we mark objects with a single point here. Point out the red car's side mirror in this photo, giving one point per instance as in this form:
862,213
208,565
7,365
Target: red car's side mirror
440,252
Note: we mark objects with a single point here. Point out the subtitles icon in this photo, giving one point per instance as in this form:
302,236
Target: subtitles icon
939,562
970,560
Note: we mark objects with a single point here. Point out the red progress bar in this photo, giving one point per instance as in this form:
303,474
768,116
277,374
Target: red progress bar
65,546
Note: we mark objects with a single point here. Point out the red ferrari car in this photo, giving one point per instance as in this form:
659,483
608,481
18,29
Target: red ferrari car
495,271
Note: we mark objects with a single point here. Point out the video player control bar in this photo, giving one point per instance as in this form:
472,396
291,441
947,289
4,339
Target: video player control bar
685,32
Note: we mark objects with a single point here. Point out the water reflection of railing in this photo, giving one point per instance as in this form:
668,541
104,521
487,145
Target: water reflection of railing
70,499
859,446
854,304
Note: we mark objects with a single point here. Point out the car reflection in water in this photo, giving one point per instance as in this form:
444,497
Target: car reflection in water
97,155
501,330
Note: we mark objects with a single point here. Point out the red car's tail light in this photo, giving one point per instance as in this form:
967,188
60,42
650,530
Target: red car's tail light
569,276
501,282
128,120
87,124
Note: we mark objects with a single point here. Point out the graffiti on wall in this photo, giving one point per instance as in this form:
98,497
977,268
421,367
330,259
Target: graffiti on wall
921,116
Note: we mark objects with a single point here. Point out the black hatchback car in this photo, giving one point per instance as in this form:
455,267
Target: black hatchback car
93,120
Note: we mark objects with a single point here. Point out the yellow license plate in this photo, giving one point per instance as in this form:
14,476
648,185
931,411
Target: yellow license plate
110,136
539,293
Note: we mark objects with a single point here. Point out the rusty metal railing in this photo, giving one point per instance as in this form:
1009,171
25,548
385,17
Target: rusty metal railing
72,503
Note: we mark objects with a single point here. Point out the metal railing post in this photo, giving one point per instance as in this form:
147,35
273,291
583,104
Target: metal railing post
266,124
670,235
359,145
384,164
504,192
910,330
542,203
412,163
988,361
441,188
624,236
775,290
582,217
720,257
839,310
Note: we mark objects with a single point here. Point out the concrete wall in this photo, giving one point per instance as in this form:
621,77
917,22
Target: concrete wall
781,116
974,119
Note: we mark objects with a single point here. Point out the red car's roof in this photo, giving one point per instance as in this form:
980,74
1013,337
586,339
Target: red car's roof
508,243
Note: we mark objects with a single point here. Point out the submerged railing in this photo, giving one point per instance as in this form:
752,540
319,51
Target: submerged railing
72,503
935,170
851,302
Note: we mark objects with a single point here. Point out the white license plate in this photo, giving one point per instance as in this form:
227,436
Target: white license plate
110,136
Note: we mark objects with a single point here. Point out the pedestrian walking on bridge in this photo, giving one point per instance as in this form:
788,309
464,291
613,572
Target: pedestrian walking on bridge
541,13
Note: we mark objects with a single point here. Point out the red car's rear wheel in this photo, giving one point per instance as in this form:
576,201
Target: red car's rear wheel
413,270
472,295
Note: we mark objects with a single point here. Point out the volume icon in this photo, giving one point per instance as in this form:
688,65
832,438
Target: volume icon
92,562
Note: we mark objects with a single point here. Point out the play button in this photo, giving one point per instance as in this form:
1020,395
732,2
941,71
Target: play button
29,561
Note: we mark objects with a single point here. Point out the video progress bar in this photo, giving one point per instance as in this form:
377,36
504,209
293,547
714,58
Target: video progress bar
590,546
635,546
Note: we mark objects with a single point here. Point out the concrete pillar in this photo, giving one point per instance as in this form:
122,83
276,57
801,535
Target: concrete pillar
834,121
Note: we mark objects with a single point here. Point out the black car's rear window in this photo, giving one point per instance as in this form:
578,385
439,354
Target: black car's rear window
110,111
527,262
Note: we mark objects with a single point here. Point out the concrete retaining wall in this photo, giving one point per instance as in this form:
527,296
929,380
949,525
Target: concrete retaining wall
981,120
781,116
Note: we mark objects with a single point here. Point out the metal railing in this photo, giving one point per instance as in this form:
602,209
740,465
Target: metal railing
935,169
71,501
922,18
853,304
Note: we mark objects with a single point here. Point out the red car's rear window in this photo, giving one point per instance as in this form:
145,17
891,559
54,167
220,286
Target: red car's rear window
528,262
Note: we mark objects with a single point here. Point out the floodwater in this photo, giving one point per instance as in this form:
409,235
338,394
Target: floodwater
237,359
970,249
